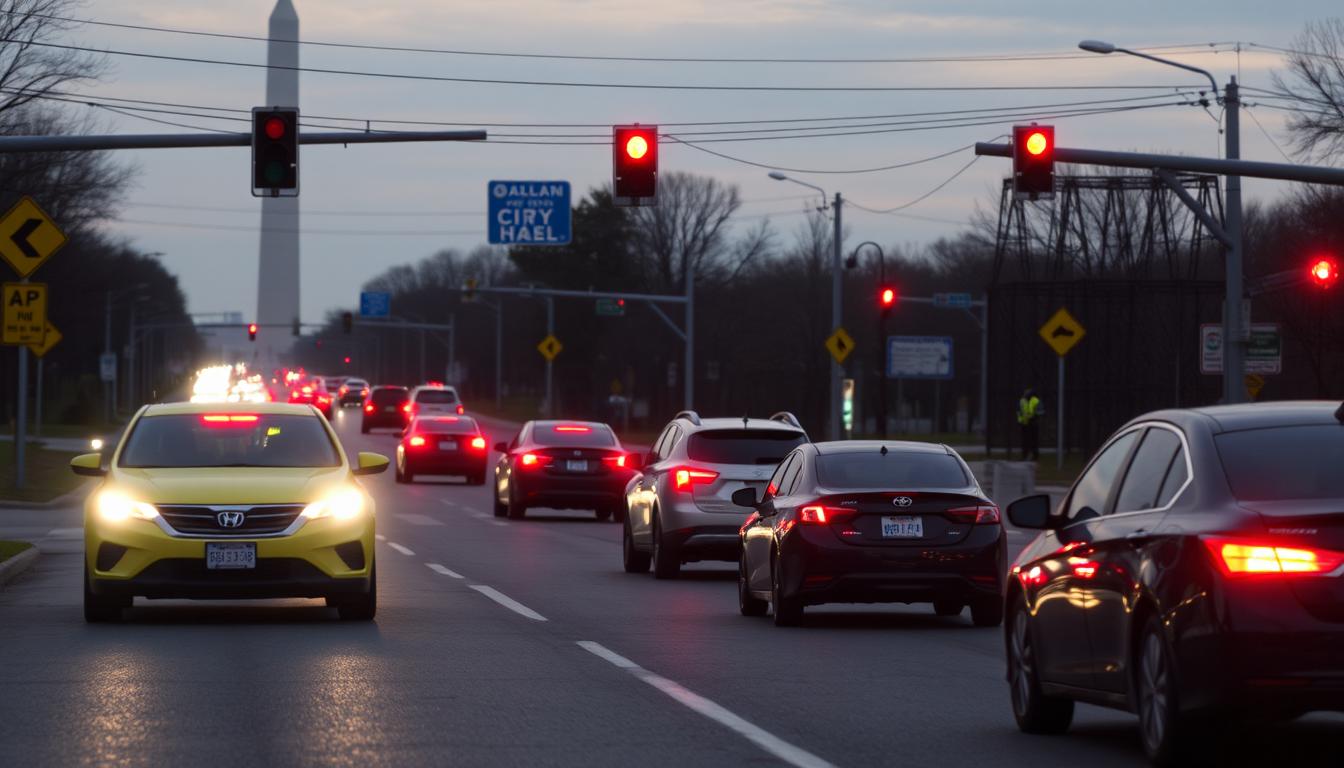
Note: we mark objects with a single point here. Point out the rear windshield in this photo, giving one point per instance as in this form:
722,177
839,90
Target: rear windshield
743,446
437,396
356,383
1305,462
229,440
459,426
897,470
574,435
385,396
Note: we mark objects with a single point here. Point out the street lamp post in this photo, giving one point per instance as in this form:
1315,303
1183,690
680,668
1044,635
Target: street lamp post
833,430
1234,326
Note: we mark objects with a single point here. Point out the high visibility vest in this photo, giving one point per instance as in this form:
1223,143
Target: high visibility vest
1028,409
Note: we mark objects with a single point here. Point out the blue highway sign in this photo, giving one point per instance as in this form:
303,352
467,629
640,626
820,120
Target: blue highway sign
375,304
528,213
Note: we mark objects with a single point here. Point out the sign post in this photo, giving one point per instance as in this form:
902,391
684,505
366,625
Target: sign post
1062,332
51,339
528,213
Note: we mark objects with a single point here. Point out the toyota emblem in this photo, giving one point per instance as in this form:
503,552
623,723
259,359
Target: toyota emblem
231,518
902,501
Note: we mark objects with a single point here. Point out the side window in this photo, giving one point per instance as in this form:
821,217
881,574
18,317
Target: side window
777,479
1148,470
656,452
790,481
1177,474
1094,488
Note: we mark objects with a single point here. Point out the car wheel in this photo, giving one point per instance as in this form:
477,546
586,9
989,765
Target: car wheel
99,609
666,559
1034,711
634,560
407,475
516,508
1169,737
361,607
788,610
987,612
947,608
748,604
398,475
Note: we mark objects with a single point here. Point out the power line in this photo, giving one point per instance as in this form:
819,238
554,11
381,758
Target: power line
1265,133
922,197
301,231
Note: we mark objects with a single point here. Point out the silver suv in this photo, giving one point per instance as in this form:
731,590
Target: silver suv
679,507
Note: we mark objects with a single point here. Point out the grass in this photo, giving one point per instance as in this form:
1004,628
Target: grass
48,474
9,549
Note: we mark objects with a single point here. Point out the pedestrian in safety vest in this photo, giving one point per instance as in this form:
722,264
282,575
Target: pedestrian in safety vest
1028,417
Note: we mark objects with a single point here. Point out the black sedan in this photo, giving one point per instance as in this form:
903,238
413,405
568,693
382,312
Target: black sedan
871,522
386,406
562,465
442,445
1194,568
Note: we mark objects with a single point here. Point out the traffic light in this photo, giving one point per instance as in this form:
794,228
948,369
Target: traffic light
347,359
634,169
886,299
469,291
1325,272
348,322
251,331
1034,162
275,152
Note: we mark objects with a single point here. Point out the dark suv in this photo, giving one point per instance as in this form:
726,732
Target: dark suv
386,407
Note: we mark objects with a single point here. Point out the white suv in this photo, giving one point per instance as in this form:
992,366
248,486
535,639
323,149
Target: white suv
679,507
435,400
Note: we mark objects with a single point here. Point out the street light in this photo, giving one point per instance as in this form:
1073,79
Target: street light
833,432
1234,387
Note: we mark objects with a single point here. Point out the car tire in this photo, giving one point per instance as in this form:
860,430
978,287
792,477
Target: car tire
1034,711
100,609
398,475
987,612
947,608
632,559
361,607
1169,736
788,611
516,508
748,604
666,559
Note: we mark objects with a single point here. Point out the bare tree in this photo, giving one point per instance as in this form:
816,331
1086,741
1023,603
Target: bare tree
29,68
1315,80
688,226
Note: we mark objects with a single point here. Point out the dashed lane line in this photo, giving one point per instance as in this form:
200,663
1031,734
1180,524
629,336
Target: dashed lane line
380,537
507,602
403,550
762,738
435,567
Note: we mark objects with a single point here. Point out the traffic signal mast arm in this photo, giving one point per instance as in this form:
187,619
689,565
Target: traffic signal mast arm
10,144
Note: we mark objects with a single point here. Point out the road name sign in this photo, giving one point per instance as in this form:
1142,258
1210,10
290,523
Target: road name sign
1264,349
919,357
952,300
1062,332
840,344
611,307
375,304
550,347
28,237
25,314
51,338
528,213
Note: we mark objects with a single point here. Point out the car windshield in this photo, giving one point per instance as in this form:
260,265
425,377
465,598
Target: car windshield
437,397
895,469
743,446
574,435
1302,462
229,440
356,383
388,396
449,426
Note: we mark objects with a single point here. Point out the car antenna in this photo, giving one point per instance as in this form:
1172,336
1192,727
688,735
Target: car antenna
883,450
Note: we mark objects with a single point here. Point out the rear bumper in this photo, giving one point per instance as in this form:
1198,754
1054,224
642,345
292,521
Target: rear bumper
379,421
708,542
446,464
560,492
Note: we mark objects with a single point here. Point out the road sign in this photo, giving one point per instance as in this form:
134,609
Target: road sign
1254,384
550,347
840,344
51,338
107,366
25,313
1061,332
952,300
375,304
611,307
1264,349
528,213
919,357
28,237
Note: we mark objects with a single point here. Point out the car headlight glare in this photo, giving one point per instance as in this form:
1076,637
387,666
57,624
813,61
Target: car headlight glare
115,507
342,505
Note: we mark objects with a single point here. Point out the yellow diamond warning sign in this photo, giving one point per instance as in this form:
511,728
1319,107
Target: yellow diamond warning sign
840,344
1061,332
550,347
28,237
25,315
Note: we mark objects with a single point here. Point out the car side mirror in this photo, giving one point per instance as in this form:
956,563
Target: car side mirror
746,497
1031,512
88,464
370,463
502,447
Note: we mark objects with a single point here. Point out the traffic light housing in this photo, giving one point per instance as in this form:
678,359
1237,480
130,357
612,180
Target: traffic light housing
1325,272
634,168
1034,162
251,331
348,322
275,152
469,291
886,299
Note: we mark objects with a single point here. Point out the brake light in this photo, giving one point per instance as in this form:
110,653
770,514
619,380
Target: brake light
307,390
616,461
535,460
981,514
216,419
415,441
581,430
1034,577
461,409
478,443
408,408
343,390
684,478
812,515
1238,557
368,408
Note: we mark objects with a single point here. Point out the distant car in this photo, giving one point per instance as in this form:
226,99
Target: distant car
352,392
679,508
1191,575
871,522
436,400
562,465
312,392
442,445
386,406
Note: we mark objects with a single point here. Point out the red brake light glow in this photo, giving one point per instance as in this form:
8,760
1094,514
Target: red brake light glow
534,460
982,514
416,441
812,515
408,408
236,418
368,408
461,409
478,443
685,477
1252,557
578,429
616,461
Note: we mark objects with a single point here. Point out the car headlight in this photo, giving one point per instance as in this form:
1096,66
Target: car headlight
342,505
115,507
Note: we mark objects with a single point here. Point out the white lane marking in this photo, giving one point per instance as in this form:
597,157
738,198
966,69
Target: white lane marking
699,704
448,503
499,523
507,602
401,549
481,515
435,567
416,519
380,537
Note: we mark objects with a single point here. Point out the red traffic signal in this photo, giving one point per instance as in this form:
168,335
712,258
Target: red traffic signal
1325,272
634,169
275,151
1034,162
347,359
887,298
251,331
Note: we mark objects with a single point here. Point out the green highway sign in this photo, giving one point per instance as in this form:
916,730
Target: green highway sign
611,307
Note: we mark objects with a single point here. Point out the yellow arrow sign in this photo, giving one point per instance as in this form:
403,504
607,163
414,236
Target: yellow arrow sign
550,347
840,344
1254,384
49,340
25,313
1062,331
28,237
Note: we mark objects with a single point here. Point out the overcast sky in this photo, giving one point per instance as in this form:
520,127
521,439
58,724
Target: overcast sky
194,206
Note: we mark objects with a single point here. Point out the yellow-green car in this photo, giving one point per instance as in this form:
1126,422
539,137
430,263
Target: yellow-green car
229,501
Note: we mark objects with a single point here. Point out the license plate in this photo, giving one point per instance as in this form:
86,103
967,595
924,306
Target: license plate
231,556
576,466
390,409
447,445
903,527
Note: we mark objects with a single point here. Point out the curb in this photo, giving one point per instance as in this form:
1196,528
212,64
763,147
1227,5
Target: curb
60,501
11,568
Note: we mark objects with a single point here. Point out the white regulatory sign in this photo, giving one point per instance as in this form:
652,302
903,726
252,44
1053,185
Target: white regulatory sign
919,357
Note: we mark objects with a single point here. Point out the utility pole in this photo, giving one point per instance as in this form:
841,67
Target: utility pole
1234,340
549,408
107,349
689,395
837,276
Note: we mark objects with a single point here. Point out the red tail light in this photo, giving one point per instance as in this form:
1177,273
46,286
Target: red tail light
415,441
813,515
408,408
684,478
461,409
616,461
225,419
577,429
980,514
534,460
1242,556
478,443
368,408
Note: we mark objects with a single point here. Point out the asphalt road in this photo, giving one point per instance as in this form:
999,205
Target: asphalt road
522,643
